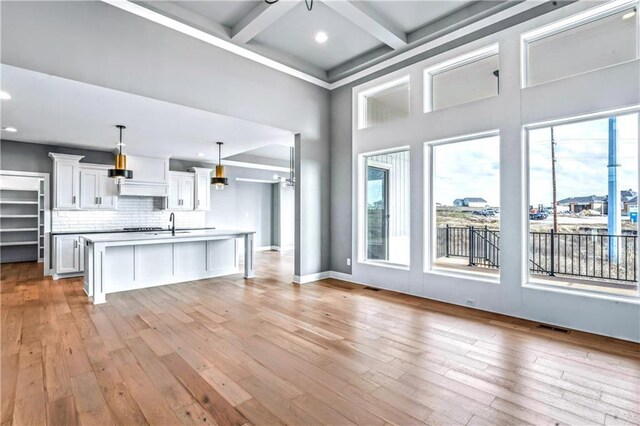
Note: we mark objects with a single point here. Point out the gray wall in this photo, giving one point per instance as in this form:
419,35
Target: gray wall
228,206
253,209
31,157
115,49
342,144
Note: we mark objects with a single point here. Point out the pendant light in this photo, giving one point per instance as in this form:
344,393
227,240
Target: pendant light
219,181
120,172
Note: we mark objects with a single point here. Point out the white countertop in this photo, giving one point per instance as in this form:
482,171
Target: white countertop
163,236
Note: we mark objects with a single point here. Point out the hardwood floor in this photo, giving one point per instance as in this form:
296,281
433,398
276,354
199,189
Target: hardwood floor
229,351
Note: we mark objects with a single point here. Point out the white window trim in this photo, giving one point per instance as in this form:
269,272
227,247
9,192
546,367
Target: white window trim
569,23
530,281
362,220
457,62
430,234
362,97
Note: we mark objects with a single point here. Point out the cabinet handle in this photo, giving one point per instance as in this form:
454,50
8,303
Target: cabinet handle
100,200
97,202
73,199
75,243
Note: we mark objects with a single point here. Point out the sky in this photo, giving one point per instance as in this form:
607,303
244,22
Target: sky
467,169
472,168
582,158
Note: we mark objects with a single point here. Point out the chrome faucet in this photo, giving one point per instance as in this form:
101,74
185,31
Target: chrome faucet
172,221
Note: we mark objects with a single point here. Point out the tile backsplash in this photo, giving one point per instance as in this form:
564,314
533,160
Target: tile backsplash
132,212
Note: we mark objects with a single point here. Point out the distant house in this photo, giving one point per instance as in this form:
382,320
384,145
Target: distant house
578,204
632,204
470,202
625,198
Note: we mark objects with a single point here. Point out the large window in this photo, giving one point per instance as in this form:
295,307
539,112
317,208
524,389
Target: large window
384,103
465,204
463,79
386,208
596,39
583,204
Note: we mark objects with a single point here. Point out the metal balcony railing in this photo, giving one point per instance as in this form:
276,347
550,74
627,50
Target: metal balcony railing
550,253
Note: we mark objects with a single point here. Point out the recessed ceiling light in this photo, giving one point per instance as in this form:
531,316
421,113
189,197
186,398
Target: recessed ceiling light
10,129
321,37
4,95
200,154
629,15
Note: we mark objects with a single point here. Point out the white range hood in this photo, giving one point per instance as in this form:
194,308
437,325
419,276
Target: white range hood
150,177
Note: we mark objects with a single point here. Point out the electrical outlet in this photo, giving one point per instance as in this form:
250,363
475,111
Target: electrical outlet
471,302
348,261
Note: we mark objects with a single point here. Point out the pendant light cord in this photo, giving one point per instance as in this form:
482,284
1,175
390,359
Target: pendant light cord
120,144
308,3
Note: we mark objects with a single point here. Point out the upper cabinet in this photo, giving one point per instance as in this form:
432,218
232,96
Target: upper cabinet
202,199
83,186
97,190
66,181
181,191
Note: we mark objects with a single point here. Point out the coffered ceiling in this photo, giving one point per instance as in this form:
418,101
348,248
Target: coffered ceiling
359,33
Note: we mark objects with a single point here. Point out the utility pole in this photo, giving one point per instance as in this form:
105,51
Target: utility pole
554,184
613,203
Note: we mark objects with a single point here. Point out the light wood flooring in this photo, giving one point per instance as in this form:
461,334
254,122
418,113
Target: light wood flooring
265,351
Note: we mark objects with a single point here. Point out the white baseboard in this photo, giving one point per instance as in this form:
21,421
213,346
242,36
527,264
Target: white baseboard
304,279
267,248
340,276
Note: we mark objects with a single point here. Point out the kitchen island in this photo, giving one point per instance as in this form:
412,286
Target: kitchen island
121,262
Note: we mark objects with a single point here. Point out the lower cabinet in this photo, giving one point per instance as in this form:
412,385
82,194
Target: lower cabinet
69,256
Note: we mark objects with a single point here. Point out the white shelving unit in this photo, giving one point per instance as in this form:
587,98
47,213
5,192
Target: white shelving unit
23,216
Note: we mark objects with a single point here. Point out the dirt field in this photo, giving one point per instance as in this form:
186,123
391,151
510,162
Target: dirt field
463,217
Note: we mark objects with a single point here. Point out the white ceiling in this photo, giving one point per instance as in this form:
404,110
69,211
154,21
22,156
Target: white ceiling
225,12
52,110
411,15
276,152
294,33
361,32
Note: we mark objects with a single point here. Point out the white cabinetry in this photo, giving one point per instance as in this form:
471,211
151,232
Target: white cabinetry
181,191
67,252
202,192
66,185
150,177
97,190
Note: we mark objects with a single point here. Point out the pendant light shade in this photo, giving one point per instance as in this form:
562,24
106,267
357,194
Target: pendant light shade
120,172
219,181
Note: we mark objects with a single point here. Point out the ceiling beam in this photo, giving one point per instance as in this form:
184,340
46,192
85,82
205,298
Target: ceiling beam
371,23
259,19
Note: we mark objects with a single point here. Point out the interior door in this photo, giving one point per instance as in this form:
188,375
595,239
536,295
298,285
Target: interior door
377,213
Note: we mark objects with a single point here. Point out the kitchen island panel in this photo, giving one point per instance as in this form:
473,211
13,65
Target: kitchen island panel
117,264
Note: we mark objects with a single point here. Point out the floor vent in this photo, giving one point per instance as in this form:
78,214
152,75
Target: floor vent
372,288
554,328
